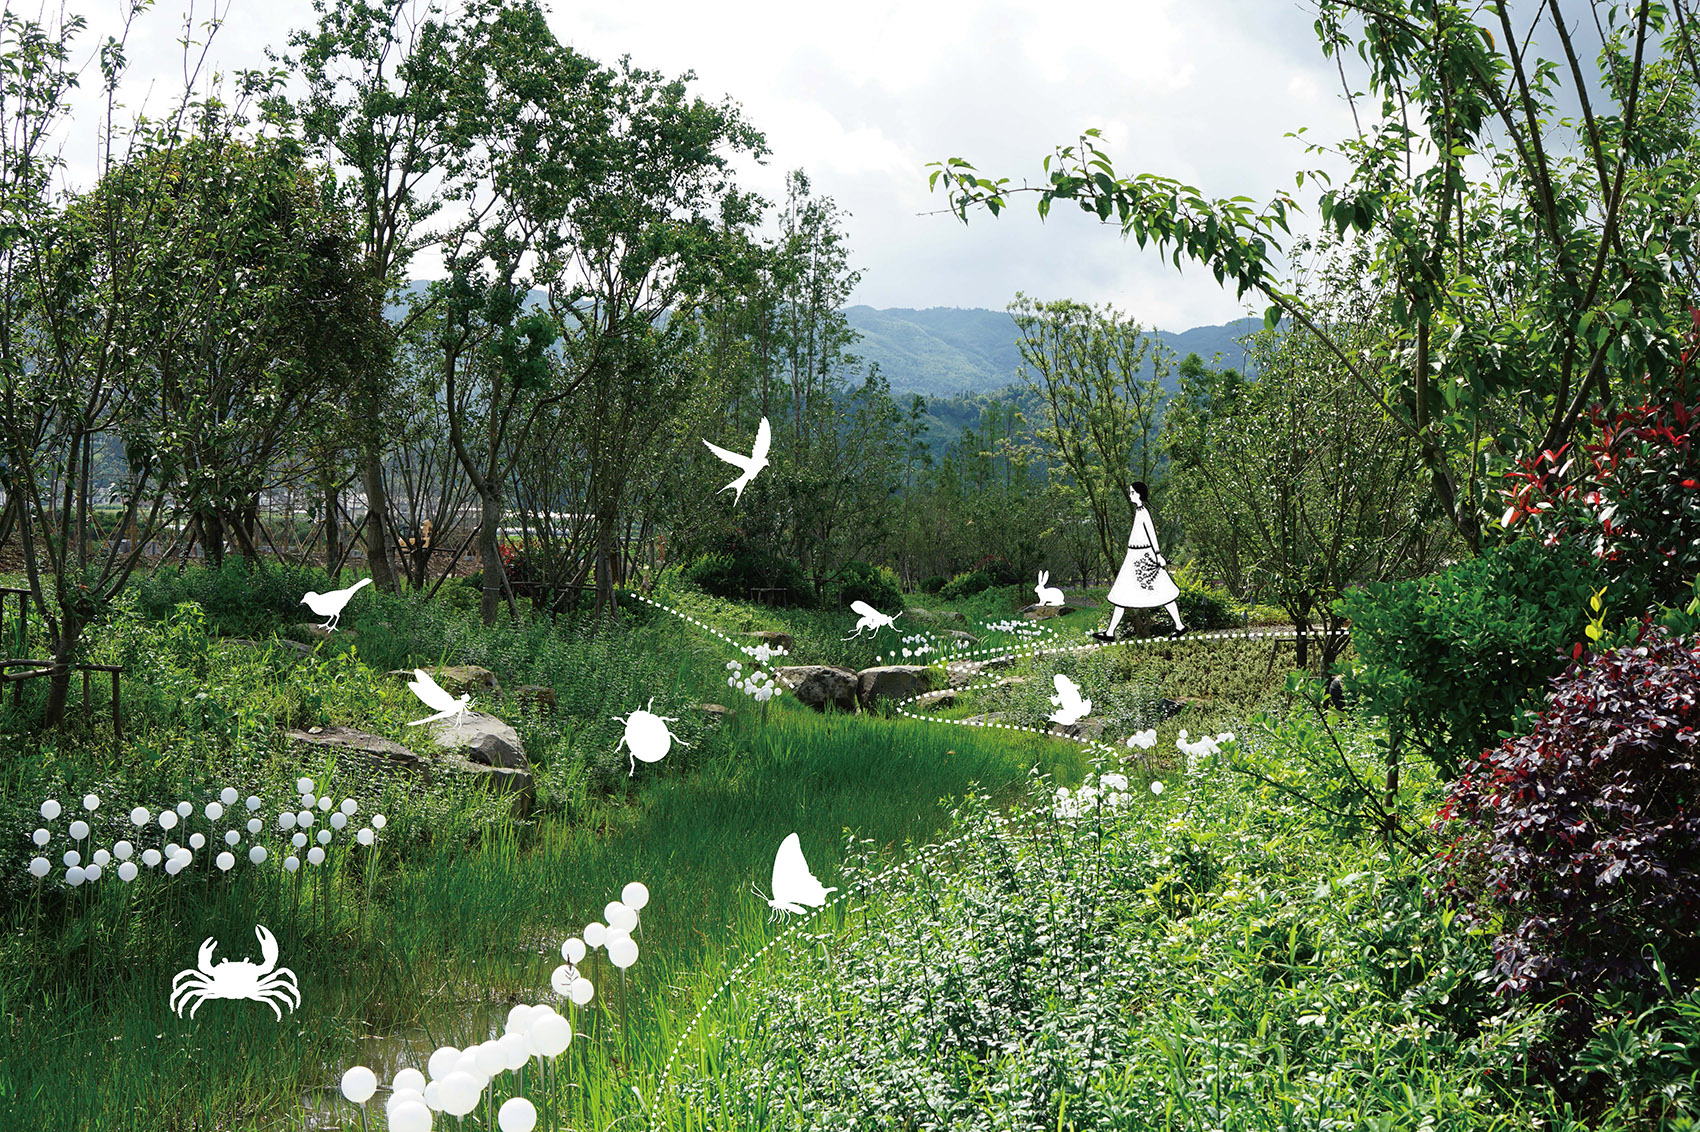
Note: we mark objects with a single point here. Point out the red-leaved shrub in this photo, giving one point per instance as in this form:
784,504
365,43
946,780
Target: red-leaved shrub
1579,845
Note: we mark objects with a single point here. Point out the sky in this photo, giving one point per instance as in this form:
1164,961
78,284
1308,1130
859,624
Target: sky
864,97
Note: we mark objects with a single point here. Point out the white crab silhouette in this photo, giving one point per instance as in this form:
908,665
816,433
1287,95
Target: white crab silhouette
240,979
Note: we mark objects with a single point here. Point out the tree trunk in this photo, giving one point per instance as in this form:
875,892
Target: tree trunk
64,651
1301,641
377,521
489,556
333,533
212,538
605,563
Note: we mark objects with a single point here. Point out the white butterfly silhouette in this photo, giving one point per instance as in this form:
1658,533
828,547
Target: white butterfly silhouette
1070,707
751,464
794,886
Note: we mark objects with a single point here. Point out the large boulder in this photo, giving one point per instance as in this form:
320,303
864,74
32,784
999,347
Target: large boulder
458,678
360,757
894,682
497,779
947,615
774,639
482,739
1044,612
819,685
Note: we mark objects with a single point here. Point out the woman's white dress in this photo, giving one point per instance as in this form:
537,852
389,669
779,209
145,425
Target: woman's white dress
1142,583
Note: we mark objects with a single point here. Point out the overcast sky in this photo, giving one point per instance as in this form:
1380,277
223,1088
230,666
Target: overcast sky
864,96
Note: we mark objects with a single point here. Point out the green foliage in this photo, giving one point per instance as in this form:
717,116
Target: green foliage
876,585
734,574
239,598
1204,607
1456,660
966,585
932,583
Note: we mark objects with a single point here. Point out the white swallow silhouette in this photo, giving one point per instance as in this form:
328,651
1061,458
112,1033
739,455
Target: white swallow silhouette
330,605
751,464
429,691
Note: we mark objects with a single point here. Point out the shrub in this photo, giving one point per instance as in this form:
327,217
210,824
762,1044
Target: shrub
1579,844
732,574
1203,607
933,583
1000,569
966,585
876,585
1455,660
239,598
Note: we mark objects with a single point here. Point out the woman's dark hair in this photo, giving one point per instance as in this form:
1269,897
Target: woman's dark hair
1144,492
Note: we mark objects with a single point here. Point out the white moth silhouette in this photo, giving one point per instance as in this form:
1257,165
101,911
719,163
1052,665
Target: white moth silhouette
751,464
871,618
646,736
1070,707
433,696
794,886
330,605
1048,595
262,982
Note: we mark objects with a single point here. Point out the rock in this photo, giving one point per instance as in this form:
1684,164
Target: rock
483,739
313,630
361,756
714,712
948,615
774,639
457,678
944,700
1174,707
818,685
961,635
497,779
1337,692
540,696
1044,612
893,682
276,644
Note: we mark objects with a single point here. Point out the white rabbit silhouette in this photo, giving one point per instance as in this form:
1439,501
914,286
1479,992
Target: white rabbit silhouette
1048,595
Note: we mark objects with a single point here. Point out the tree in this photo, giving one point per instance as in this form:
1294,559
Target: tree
1086,365
1513,295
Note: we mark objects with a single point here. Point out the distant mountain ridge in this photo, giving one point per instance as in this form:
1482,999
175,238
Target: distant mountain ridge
942,351
947,351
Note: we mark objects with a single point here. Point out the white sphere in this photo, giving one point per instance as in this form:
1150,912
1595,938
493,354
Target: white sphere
467,1062
613,935
324,837
286,820
517,1115
635,896
231,837
102,857
299,840
623,952
91,802
359,1083
563,979
441,1063
304,818
365,837
257,854
40,837
434,1096
228,795
519,1018
123,850
93,873
573,950
492,1058
174,866
71,858
551,1035
517,1049
410,1078
79,830
583,991
39,867
74,876
595,933
460,1092
291,863
197,840
214,811
400,1096
184,809
255,825
349,805
338,820
127,871
225,861
150,857
253,803
168,819
304,785
49,809
620,916
140,816
315,856
325,803
379,821
411,1116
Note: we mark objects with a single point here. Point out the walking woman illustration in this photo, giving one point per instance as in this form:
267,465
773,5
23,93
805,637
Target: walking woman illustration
1143,582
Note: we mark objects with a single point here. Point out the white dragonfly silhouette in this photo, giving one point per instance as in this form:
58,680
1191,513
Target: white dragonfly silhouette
1070,707
871,618
433,696
751,464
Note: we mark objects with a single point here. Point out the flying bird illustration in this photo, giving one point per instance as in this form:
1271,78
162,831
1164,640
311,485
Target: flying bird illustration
330,605
1070,707
871,618
751,464
433,696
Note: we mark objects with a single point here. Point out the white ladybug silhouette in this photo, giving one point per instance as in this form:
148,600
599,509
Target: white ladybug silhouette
646,736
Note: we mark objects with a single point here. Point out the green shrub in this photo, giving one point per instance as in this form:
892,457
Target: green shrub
1454,660
933,583
239,598
966,585
732,574
1204,607
876,585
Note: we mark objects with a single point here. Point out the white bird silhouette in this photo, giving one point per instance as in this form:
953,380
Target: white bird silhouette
433,696
1070,707
751,464
871,618
330,605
